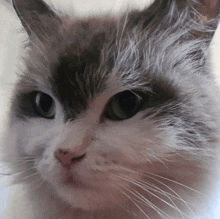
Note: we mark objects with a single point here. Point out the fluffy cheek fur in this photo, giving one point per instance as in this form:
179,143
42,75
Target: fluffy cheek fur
116,151
120,156
135,160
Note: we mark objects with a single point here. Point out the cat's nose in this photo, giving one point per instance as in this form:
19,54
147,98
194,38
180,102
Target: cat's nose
67,158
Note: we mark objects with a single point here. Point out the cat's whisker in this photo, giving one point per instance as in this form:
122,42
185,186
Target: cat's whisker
149,154
40,184
28,169
148,187
145,173
97,95
169,196
159,190
132,200
173,205
16,158
176,194
20,161
180,198
24,173
31,175
175,182
25,158
23,162
158,212
147,202
125,208
158,159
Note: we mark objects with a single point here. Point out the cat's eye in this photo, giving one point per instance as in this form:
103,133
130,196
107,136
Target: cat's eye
45,105
123,105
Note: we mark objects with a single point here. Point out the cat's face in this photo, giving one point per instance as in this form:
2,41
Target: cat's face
101,124
115,112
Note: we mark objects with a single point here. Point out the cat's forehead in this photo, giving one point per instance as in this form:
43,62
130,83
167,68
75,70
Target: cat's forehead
83,58
78,76
73,66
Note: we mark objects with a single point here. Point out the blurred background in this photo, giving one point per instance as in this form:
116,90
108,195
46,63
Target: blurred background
11,43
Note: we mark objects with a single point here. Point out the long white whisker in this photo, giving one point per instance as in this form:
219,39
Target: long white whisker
159,211
145,174
147,202
123,206
148,188
39,185
21,163
26,170
24,159
175,182
157,158
160,191
157,189
149,154
24,174
31,175
136,204
167,179
174,193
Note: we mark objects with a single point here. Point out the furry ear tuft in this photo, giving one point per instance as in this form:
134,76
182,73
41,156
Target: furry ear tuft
201,16
36,17
209,9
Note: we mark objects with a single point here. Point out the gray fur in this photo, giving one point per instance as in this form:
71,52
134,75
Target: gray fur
161,52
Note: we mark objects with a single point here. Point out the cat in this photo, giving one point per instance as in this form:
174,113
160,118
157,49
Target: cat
115,116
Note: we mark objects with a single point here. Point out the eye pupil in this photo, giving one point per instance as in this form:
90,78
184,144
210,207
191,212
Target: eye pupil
45,102
45,105
127,103
123,105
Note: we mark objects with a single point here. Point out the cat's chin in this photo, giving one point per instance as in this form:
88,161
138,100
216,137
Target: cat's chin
84,197
81,193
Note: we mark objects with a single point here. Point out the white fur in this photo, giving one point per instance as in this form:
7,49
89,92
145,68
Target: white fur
119,154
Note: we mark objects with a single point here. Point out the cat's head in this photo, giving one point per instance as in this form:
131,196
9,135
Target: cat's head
116,111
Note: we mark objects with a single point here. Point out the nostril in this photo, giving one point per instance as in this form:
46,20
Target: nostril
67,158
78,158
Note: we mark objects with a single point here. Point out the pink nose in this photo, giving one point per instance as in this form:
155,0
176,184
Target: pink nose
67,158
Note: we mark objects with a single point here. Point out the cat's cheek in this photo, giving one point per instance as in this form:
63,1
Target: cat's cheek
37,134
133,142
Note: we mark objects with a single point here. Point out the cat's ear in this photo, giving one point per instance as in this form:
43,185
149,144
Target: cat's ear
205,13
205,9
36,17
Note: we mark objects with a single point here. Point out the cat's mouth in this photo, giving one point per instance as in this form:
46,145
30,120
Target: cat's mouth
71,179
